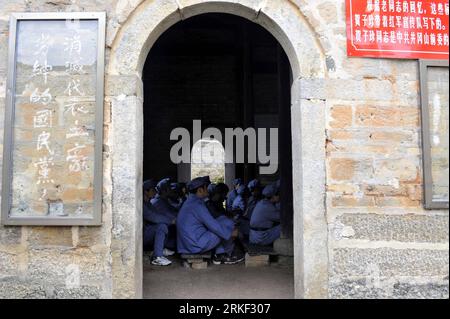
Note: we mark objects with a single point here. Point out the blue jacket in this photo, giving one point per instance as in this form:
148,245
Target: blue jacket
230,199
265,215
196,227
152,216
239,203
163,207
251,204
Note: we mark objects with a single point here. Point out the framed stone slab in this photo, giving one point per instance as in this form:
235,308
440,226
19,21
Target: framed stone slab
52,157
434,88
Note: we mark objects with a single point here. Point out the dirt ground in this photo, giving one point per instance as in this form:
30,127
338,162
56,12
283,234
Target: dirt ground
218,281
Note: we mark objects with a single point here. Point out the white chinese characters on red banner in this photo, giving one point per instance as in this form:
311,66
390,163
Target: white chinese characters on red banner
398,29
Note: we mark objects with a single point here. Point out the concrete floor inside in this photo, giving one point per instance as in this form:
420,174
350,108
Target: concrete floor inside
218,281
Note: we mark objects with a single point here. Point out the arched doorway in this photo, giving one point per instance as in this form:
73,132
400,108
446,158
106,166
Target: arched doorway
224,73
128,53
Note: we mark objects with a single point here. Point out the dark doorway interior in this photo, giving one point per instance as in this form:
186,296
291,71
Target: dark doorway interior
227,72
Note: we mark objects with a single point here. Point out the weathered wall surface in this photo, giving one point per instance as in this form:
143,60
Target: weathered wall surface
381,242
53,262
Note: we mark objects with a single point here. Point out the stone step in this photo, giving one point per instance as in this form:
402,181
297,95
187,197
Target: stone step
256,261
197,264
201,265
195,261
206,255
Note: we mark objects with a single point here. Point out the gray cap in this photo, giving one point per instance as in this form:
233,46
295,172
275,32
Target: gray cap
241,190
270,190
253,184
237,181
163,184
212,188
198,182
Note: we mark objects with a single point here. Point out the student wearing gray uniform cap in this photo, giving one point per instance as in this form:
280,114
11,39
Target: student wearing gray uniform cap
254,188
174,197
199,232
156,228
233,194
161,200
265,222
240,202
216,196
162,205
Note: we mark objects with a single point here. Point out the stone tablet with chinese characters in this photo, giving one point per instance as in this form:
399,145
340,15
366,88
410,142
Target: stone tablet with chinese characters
54,119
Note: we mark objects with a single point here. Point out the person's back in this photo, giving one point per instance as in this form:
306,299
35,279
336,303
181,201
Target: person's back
189,226
265,215
230,199
265,221
163,206
239,204
233,194
254,186
153,216
244,226
251,204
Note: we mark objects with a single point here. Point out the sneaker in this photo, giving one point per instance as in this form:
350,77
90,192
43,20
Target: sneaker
161,261
227,260
218,259
168,252
232,260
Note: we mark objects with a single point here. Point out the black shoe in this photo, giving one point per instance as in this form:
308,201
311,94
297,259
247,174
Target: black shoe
234,259
227,260
218,259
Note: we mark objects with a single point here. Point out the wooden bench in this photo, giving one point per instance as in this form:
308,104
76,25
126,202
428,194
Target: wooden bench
196,261
257,255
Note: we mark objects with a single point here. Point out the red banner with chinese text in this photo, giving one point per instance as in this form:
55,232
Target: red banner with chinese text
398,29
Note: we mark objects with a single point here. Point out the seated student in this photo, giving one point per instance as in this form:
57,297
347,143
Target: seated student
216,197
163,206
183,191
224,190
174,197
156,228
199,232
254,188
265,222
232,194
240,202
161,200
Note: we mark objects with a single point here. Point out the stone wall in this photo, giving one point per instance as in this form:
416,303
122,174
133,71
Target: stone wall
381,243
54,262
380,240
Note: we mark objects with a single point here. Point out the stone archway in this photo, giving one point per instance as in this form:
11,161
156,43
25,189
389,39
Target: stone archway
124,90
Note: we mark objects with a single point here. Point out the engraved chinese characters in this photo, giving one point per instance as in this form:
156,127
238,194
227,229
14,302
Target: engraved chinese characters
54,120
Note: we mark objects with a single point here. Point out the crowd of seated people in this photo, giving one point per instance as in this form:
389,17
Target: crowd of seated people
201,216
